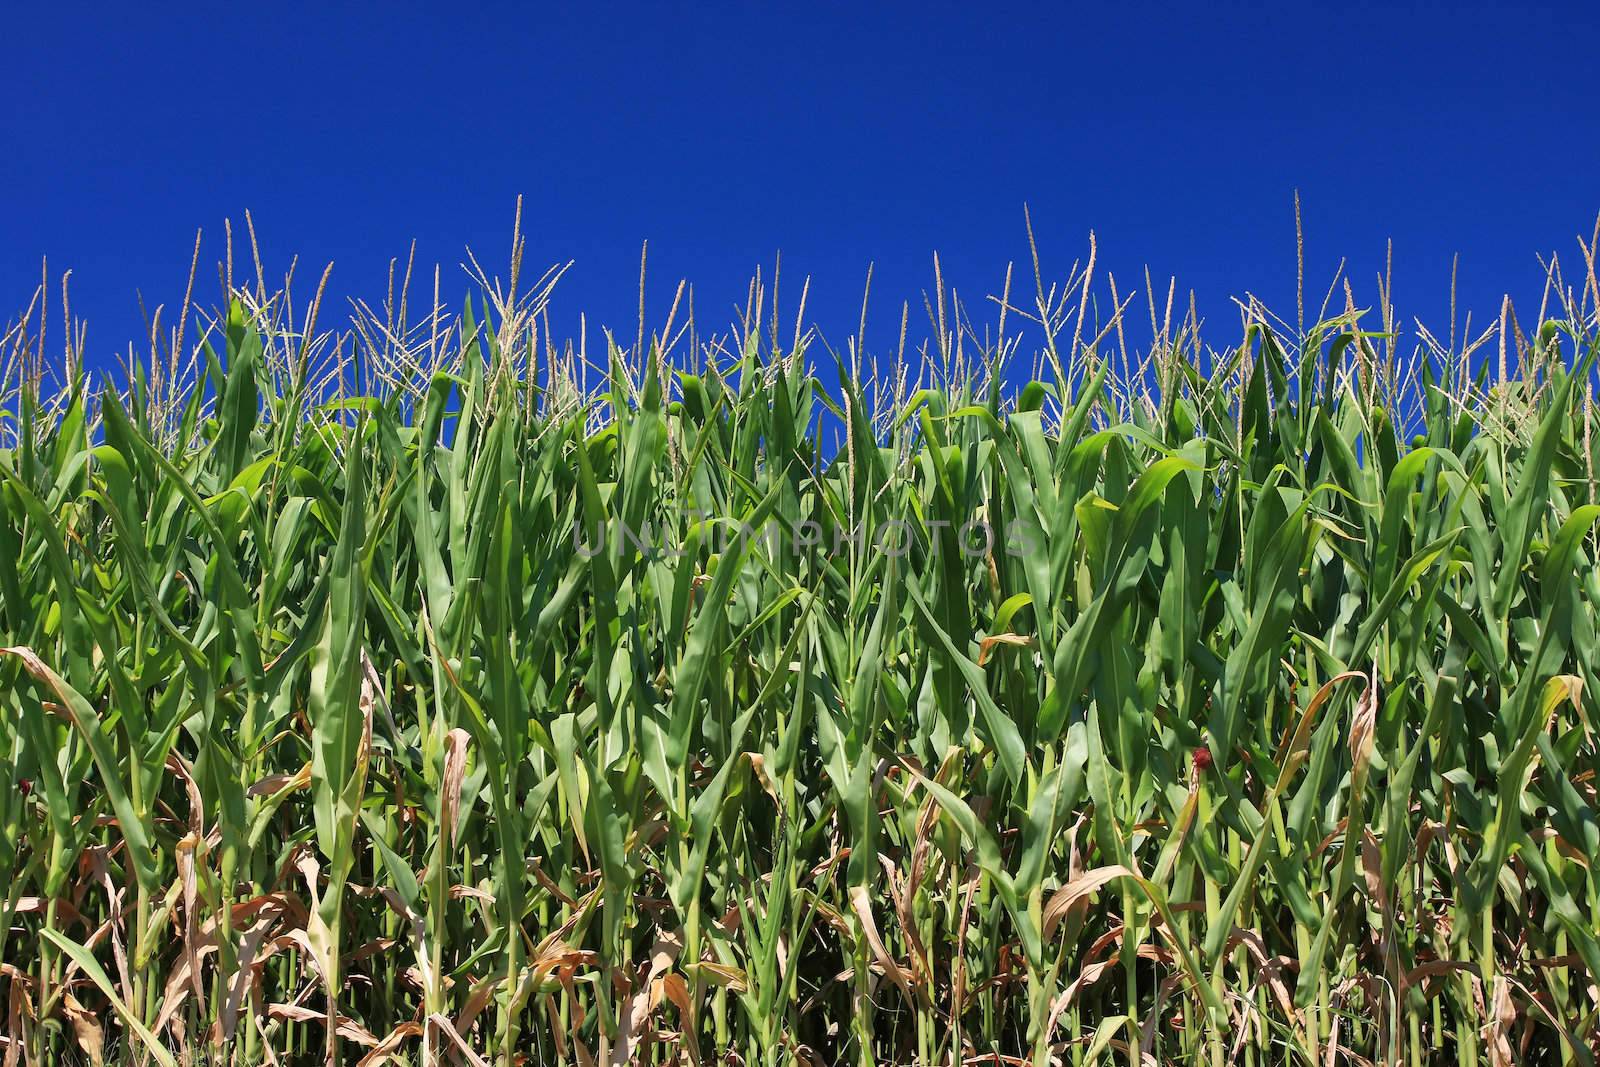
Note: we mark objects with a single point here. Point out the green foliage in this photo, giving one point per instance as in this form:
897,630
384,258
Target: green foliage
725,711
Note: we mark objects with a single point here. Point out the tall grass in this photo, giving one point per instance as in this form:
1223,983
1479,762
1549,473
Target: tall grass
431,689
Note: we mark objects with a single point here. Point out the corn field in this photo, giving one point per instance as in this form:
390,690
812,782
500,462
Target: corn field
427,689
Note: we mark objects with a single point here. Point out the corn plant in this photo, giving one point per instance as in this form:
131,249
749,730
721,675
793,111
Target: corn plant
432,691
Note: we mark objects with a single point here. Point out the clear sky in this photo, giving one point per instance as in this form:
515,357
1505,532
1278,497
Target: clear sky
838,135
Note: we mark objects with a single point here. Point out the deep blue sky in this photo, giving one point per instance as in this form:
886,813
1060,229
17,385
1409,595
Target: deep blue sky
838,135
